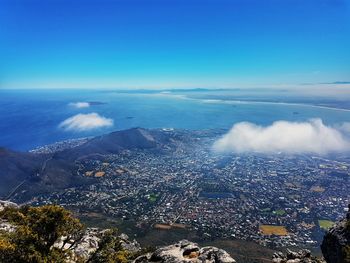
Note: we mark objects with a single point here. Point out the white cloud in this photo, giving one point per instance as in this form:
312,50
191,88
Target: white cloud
85,122
345,127
80,105
283,136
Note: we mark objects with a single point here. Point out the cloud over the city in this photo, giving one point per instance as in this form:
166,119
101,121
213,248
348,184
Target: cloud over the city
345,127
85,122
80,105
312,136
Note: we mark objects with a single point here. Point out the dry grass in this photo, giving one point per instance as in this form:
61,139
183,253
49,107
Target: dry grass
162,226
100,174
273,230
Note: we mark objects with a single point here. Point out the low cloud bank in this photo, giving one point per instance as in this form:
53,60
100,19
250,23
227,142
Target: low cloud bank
85,122
345,127
282,136
80,105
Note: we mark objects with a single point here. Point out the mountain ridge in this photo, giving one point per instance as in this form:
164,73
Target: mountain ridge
38,173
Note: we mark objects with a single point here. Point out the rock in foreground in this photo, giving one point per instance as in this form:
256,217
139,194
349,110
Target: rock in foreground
336,243
303,256
89,243
4,204
184,252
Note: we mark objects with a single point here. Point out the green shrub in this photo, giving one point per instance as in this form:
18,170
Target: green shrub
37,229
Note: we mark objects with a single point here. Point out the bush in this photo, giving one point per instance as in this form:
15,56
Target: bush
37,230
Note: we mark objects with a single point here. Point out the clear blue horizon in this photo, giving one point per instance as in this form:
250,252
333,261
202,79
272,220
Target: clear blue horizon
128,44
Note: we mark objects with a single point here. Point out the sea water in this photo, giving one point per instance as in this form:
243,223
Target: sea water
31,118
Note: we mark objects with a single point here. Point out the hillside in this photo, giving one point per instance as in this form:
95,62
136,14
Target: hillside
136,138
17,168
32,174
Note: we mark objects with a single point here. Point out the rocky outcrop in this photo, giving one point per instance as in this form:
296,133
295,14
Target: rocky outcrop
89,243
303,256
5,226
336,243
86,244
186,251
131,246
4,204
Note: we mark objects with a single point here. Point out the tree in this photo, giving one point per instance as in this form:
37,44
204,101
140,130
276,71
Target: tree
36,231
49,234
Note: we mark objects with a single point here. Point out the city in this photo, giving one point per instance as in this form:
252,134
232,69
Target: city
274,200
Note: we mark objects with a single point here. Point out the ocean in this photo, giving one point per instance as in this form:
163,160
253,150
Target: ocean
31,118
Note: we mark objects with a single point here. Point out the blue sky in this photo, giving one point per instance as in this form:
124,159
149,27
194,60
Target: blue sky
168,43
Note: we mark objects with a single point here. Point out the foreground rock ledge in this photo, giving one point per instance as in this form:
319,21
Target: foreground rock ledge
186,251
303,256
336,243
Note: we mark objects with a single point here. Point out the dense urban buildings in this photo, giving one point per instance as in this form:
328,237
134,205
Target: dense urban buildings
275,200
